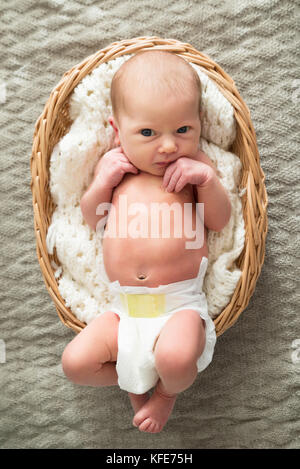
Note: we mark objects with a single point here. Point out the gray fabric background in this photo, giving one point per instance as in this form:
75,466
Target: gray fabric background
247,398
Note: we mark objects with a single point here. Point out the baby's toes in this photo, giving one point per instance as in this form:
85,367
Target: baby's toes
137,420
140,416
146,425
154,428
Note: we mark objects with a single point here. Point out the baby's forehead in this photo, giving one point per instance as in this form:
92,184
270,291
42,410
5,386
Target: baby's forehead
158,110
153,85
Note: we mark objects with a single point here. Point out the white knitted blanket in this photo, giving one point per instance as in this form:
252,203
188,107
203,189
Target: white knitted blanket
82,281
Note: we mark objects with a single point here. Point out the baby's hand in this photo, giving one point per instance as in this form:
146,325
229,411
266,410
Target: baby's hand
186,171
112,167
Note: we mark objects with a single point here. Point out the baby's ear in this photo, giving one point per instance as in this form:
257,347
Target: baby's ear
112,122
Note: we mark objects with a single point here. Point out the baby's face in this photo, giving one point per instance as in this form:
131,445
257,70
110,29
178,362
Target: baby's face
156,130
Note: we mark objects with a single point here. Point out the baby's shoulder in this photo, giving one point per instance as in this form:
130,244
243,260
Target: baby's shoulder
201,156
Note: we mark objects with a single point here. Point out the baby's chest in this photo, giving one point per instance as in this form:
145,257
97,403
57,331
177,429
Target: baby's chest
152,213
148,193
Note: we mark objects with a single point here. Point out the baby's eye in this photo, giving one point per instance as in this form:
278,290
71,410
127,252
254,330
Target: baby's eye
183,130
147,132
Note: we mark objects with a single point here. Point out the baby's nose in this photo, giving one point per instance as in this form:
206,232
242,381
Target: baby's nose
168,145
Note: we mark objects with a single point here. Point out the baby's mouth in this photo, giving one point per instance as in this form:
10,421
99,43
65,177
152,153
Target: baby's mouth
163,164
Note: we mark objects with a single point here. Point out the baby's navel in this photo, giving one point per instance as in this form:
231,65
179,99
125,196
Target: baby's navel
141,276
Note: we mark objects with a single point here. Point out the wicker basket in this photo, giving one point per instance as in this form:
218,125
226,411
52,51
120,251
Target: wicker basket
55,122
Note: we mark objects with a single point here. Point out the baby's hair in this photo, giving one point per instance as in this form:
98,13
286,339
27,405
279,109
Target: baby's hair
158,70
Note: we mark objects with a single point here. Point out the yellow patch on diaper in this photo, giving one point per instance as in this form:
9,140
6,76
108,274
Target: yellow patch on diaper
144,306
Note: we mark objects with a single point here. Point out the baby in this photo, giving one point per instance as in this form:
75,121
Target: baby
158,333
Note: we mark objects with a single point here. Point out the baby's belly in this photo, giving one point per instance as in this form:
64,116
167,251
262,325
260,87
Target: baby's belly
158,241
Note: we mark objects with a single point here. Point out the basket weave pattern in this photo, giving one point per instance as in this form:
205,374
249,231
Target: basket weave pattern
55,122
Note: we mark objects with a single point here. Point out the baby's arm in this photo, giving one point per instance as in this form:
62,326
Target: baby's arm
201,173
107,175
217,206
96,194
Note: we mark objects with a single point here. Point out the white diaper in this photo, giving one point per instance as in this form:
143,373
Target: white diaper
137,333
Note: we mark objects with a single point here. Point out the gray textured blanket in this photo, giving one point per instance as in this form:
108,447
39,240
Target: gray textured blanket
247,398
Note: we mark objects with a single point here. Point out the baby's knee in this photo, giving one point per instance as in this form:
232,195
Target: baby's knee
172,361
73,364
181,356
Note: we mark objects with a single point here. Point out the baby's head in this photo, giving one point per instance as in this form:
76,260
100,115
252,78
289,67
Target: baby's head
154,72
156,102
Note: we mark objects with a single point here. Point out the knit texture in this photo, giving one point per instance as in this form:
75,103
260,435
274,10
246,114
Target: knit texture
247,397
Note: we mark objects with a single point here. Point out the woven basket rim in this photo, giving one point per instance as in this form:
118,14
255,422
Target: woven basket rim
54,122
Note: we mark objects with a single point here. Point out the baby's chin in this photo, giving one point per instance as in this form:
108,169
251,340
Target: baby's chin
155,170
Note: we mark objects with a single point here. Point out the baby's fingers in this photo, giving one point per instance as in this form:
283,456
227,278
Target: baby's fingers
181,182
129,168
173,180
168,174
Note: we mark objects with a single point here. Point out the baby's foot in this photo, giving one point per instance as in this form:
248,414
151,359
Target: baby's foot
154,414
138,400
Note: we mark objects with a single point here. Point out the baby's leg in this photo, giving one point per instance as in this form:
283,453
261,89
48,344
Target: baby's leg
178,347
90,358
